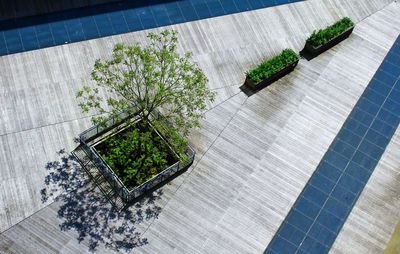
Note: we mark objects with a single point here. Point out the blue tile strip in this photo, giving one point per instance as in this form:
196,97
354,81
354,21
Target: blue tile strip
322,208
92,22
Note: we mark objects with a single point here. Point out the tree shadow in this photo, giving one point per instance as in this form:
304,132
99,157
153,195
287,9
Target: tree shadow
86,210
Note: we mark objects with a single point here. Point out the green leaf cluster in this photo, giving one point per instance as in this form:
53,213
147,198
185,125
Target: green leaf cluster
137,154
272,65
322,36
141,80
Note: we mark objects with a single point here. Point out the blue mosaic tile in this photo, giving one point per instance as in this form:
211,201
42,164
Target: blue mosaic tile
388,117
396,50
383,128
146,17
364,160
231,7
391,68
397,86
312,246
89,28
282,246
350,183
132,20
59,32
359,172
202,10
3,46
270,251
362,116
291,234
385,77
345,196
395,95
329,220
336,208
369,107
216,8
13,41
374,96
282,1
188,11
44,35
322,234
371,149
329,171
313,194
28,37
350,137
343,148
379,87
118,22
74,30
307,207
245,6
256,4
299,220
392,106
394,59
174,13
356,127
161,15
336,159
103,24
322,183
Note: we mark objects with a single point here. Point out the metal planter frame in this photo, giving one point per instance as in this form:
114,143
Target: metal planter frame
88,138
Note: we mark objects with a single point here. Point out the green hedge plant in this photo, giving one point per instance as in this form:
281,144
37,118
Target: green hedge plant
272,65
136,154
322,36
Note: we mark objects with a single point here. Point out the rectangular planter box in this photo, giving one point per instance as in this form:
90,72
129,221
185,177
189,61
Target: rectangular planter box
274,77
87,142
315,51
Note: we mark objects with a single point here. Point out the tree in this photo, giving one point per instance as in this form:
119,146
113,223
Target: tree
143,80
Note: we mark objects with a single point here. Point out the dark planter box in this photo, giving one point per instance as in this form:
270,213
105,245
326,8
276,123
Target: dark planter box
274,77
313,51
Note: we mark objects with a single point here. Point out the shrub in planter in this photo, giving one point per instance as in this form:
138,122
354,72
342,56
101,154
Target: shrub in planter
136,154
324,39
272,69
133,155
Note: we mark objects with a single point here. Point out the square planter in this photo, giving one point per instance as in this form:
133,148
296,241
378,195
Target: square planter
272,78
313,51
91,161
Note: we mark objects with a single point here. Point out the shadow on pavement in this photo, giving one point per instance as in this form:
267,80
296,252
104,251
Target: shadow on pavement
86,210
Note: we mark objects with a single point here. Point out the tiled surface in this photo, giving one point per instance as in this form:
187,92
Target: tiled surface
325,203
109,19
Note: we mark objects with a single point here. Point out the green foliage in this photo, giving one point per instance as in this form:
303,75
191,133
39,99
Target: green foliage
272,65
324,35
136,155
142,80
178,143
